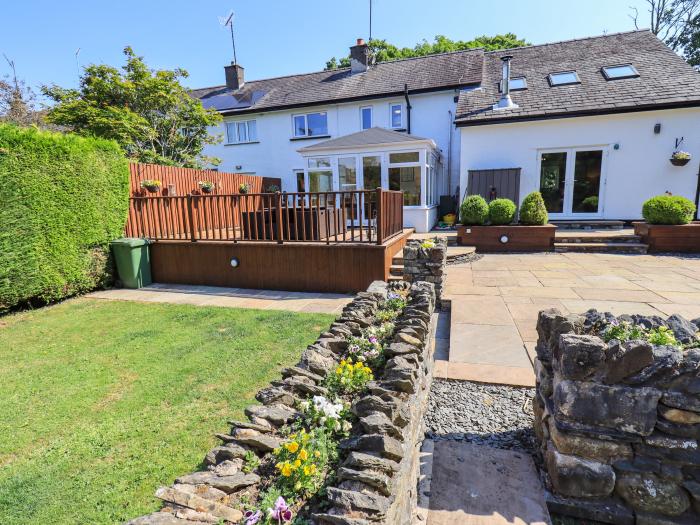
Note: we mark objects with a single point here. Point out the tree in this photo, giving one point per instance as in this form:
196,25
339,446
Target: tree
17,100
149,113
382,51
677,23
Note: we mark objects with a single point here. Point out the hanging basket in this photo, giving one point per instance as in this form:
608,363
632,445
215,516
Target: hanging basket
679,162
152,189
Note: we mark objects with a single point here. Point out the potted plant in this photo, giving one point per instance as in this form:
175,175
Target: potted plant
244,188
206,186
272,188
151,185
680,158
668,225
491,227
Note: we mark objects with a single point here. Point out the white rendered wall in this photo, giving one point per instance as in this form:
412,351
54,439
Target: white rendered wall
639,169
275,155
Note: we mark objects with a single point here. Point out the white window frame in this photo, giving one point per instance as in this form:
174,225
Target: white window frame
235,124
371,117
607,76
391,115
306,124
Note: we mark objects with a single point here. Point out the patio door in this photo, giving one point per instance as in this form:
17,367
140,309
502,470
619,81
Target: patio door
371,180
572,182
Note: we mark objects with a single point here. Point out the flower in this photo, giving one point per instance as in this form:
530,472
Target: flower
252,517
296,464
303,454
286,470
292,447
280,511
317,454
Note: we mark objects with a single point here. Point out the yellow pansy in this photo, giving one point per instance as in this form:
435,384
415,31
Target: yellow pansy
297,463
317,454
303,454
292,447
286,470
279,466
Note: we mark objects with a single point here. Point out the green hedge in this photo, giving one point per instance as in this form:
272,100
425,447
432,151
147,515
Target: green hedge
668,209
64,197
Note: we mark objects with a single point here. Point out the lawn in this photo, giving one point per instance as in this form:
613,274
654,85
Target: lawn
101,402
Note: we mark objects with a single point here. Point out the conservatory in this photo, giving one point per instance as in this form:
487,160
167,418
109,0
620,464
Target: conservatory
376,158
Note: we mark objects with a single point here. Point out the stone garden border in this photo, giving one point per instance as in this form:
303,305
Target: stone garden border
618,422
376,480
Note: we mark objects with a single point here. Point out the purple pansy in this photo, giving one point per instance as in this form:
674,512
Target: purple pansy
252,517
281,511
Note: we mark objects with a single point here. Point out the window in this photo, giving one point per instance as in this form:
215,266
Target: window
366,117
310,124
563,78
396,115
400,158
516,84
347,173
299,175
320,174
241,132
406,177
617,72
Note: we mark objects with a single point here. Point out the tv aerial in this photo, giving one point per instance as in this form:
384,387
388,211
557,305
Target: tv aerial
227,21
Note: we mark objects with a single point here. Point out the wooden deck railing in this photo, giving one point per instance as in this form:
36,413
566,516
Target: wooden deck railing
366,216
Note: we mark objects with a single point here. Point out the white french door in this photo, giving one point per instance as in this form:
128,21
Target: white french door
572,181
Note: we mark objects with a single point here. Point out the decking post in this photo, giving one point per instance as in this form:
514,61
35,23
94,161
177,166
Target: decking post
380,212
190,217
278,196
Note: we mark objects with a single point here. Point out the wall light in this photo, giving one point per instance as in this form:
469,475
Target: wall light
235,263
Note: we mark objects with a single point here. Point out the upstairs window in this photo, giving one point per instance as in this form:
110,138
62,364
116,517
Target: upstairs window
563,78
396,116
617,72
310,124
366,117
516,84
241,132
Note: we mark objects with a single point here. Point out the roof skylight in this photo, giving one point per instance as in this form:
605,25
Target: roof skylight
563,78
617,72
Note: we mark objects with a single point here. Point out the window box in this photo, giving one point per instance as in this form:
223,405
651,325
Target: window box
510,238
683,238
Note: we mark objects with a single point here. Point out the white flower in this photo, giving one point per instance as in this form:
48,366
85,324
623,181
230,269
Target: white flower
346,426
304,406
322,420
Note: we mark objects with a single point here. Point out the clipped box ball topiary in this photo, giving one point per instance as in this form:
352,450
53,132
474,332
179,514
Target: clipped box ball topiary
668,209
533,211
501,211
474,211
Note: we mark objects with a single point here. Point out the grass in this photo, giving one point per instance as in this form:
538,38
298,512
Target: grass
102,402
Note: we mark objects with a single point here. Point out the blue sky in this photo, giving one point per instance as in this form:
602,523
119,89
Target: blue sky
273,37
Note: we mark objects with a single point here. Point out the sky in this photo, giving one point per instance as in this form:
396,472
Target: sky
273,37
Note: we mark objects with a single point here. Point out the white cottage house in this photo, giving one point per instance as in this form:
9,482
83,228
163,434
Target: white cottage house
591,123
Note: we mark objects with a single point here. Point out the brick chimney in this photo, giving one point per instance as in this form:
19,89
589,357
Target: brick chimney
234,76
359,57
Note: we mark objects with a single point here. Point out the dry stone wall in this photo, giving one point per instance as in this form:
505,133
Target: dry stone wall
422,263
619,422
375,482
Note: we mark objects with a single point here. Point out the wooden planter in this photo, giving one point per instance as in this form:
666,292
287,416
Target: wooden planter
670,238
511,238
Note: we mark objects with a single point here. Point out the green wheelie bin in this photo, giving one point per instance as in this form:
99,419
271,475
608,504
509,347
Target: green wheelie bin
133,261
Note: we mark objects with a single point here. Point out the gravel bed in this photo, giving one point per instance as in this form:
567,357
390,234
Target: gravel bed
463,259
495,416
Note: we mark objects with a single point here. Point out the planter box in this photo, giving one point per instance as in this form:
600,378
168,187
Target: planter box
510,238
670,238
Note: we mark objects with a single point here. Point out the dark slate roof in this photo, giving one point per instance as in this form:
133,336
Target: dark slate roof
429,73
368,137
665,80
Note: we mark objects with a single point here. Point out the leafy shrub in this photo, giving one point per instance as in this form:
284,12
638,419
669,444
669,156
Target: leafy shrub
64,197
533,211
590,203
474,211
668,209
501,211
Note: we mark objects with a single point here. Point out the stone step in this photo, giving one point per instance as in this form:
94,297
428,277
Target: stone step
572,238
394,278
601,247
396,269
588,225
397,259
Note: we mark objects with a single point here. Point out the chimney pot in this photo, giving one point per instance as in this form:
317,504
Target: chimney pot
505,102
234,76
359,57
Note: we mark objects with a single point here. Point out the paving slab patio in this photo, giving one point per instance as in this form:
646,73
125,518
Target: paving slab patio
496,299
230,297
479,485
